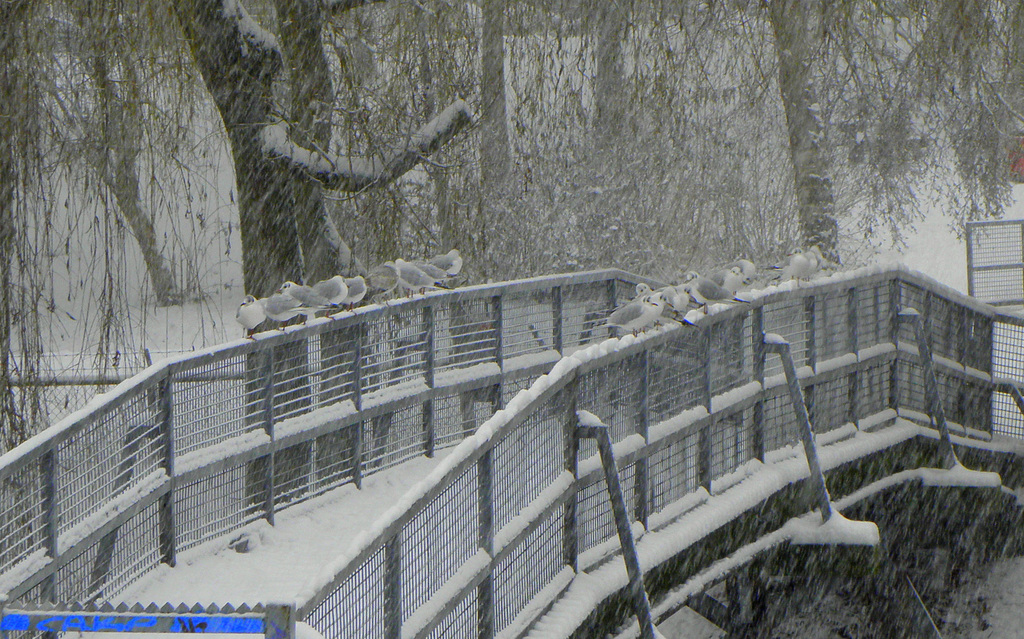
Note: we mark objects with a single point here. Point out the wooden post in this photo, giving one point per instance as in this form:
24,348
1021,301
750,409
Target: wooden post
168,540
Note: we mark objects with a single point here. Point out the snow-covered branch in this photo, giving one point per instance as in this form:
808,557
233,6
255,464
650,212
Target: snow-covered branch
345,173
347,5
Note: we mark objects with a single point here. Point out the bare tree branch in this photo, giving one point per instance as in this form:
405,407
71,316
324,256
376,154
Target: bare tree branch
352,174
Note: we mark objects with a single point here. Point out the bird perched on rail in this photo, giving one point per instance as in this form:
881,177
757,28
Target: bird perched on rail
310,301
704,291
450,262
410,279
801,264
356,291
250,314
638,315
731,278
333,290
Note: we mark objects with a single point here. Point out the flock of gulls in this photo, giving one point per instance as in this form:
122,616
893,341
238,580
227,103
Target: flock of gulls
344,293
671,303
649,308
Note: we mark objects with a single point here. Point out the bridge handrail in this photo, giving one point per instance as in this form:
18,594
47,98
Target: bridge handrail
127,455
559,392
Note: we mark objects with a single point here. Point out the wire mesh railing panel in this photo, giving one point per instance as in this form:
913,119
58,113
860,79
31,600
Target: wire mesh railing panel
293,379
873,390
462,622
874,314
136,551
393,437
459,414
912,297
119,449
223,501
439,539
729,354
946,327
537,444
788,319
74,581
465,333
995,261
529,567
831,325
977,341
221,406
394,351
830,406
585,307
1007,345
594,520
527,321
1006,417
292,472
676,379
334,459
22,515
333,359
779,419
912,391
615,395
732,442
673,471
345,613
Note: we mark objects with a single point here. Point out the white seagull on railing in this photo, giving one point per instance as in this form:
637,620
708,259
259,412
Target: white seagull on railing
638,315
450,262
250,314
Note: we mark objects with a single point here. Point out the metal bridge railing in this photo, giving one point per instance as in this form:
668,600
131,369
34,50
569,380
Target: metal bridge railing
193,448
524,504
197,446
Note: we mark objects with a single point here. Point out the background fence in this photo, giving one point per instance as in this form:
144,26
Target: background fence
194,448
995,261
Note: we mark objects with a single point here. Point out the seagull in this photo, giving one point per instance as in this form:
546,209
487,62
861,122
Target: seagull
638,314
643,291
450,262
409,278
309,300
705,291
384,278
333,290
801,265
437,273
747,267
250,314
281,307
356,290
731,278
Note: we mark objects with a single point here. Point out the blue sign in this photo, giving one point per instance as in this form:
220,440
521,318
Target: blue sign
67,622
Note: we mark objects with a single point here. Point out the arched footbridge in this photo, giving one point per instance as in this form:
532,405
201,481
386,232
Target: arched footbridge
730,437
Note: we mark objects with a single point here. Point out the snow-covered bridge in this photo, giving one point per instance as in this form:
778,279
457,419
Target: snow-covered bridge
513,532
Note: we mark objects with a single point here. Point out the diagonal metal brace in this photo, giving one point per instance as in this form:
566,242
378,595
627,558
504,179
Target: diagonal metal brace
777,345
592,427
931,385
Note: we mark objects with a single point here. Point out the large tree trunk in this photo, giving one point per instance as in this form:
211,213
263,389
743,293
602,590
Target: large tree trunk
495,157
793,22
13,429
609,23
238,69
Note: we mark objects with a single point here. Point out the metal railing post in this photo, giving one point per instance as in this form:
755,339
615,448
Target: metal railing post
642,480
497,308
48,473
853,380
168,536
485,520
781,348
894,335
931,384
557,318
357,400
590,426
428,374
393,587
268,426
760,355
571,445
705,450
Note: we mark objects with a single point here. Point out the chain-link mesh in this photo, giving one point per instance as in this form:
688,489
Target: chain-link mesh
995,261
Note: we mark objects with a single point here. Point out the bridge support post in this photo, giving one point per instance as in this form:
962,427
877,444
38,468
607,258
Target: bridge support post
591,426
775,344
931,385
